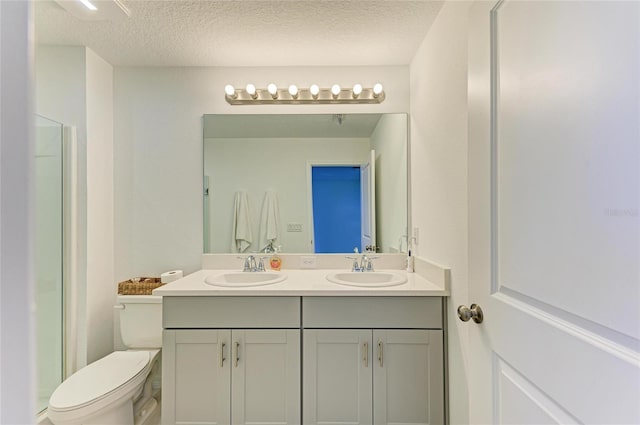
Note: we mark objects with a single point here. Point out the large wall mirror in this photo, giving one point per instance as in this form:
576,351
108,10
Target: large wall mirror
305,183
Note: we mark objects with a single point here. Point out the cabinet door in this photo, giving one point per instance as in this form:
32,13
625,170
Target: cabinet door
196,377
337,377
408,377
265,377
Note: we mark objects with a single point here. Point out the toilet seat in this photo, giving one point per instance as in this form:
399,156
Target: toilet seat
103,383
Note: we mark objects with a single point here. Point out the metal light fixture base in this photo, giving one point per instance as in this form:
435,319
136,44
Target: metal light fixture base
263,97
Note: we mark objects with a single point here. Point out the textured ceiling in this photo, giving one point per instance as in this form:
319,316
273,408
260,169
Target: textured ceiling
247,33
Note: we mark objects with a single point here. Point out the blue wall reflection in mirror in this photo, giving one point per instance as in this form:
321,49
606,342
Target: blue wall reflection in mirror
336,208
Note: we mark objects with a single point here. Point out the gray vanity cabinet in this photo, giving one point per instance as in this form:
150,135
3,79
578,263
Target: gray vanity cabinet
390,372
195,384
337,377
408,380
363,360
224,373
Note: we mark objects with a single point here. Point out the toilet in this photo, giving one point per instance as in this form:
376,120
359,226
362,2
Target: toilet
118,388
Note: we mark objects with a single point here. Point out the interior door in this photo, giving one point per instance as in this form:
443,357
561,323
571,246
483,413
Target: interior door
553,212
368,202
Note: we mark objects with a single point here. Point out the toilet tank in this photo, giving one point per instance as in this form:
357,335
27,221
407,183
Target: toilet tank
140,320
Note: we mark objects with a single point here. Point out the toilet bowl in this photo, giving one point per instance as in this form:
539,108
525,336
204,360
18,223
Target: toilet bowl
117,389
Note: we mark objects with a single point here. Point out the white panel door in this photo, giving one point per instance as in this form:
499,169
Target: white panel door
337,377
408,377
265,377
196,377
554,195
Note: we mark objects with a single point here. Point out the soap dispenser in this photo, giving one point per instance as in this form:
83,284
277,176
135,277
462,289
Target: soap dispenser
275,262
409,262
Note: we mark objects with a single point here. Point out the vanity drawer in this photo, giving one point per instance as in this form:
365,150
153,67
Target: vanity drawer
372,312
230,312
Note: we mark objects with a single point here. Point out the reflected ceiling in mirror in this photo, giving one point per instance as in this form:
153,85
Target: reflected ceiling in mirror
305,183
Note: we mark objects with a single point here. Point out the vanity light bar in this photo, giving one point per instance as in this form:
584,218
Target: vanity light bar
273,95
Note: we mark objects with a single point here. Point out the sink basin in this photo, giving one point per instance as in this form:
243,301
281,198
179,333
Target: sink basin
240,279
367,279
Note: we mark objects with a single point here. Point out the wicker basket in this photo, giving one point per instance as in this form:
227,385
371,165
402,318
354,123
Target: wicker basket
139,286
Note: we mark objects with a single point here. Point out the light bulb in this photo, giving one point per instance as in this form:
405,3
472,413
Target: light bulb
251,91
335,90
377,89
89,5
357,89
230,91
273,90
314,90
293,91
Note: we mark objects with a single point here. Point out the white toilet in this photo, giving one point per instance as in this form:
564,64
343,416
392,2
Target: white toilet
117,389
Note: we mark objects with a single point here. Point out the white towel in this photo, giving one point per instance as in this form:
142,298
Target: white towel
269,221
241,231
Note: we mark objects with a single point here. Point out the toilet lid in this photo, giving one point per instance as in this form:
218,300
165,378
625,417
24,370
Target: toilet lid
98,379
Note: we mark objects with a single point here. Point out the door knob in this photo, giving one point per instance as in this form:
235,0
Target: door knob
474,312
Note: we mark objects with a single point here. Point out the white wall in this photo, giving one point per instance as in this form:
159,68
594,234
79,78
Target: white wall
258,165
61,96
101,284
438,76
158,151
74,86
389,139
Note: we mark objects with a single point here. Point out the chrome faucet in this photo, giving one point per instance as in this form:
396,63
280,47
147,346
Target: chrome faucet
250,264
364,265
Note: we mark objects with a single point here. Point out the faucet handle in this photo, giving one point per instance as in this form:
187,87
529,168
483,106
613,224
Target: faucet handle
355,267
369,264
261,264
247,263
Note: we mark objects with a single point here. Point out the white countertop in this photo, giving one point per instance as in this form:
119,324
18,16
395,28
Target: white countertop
299,283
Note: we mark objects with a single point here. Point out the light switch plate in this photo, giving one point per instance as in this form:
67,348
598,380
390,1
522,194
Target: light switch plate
308,262
294,227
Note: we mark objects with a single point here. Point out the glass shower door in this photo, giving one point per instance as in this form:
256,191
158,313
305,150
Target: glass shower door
49,258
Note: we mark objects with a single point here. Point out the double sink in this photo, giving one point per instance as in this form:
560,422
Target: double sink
360,279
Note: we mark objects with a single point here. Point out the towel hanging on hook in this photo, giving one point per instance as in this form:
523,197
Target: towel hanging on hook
241,237
269,222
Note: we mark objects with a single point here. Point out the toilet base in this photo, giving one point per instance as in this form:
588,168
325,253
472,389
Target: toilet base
146,411
122,414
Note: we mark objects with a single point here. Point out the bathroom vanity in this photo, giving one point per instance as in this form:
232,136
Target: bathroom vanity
231,359
303,351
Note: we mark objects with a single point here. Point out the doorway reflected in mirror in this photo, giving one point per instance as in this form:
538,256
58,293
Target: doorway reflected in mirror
272,152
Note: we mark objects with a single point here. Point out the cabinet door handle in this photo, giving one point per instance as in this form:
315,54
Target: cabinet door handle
222,359
366,354
237,354
380,354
